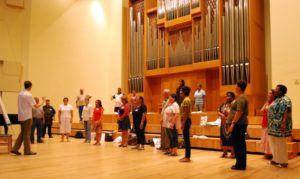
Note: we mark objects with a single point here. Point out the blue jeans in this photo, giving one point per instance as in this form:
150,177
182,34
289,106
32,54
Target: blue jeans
87,128
80,108
36,123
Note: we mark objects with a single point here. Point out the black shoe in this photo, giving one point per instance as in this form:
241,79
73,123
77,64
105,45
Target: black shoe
43,136
15,152
30,153
237,168
51,136
32,142
40,141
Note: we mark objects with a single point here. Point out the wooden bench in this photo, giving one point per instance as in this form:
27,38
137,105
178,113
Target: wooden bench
6,140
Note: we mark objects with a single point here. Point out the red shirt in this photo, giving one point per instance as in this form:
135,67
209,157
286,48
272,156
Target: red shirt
98,113
264,123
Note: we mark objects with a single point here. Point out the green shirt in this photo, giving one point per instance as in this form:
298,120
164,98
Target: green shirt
186,103
241,104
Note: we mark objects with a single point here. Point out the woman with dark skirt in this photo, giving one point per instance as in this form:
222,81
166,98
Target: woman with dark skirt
226,140
140,121
123,121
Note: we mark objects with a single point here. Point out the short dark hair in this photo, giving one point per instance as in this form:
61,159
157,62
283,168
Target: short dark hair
66,98
282,88
182,82
186,90
230,93
27,84
242,85
142,99
174,96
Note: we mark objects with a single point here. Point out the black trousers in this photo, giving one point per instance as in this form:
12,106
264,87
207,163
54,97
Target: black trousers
49,126
140,133
172,134
239,145
186,137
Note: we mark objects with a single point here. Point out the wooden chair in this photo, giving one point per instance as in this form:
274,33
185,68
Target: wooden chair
6,140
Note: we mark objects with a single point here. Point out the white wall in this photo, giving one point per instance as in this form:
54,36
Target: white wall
73,45
285,49
14,30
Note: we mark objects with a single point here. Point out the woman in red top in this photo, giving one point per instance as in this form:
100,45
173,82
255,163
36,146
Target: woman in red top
264,137
98,112
123,121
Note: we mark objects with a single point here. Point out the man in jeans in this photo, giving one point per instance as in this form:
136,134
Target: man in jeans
38,120
25,105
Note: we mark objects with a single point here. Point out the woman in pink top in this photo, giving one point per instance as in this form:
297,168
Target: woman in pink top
264,137
98,112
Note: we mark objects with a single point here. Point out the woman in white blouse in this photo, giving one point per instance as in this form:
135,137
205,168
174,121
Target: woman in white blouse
199,98
87,114
65,118
171,123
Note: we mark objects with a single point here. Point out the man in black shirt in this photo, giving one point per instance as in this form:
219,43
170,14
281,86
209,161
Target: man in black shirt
49,113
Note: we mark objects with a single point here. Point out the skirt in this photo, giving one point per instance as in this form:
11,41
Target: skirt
225,136
264,143
65,125
124,124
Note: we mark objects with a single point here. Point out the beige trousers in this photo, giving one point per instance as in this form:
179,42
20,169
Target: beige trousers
279,149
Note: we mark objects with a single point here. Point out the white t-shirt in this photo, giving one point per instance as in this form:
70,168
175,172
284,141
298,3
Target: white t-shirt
87,112
80,100
65,110
25,105
169,114
199,96
118,102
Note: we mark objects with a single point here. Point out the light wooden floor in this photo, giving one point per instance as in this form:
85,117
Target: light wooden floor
79,160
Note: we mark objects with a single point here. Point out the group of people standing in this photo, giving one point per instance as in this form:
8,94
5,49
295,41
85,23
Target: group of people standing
276,126
175,114
139,113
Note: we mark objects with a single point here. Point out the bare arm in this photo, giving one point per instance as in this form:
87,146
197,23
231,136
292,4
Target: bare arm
59,113
264,107
71,116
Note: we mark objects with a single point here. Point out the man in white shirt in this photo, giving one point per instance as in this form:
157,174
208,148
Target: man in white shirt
25,105
117,97
80,103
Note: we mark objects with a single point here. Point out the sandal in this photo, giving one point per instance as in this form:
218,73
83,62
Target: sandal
224,155
273,163
232,156
282,165
173,155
